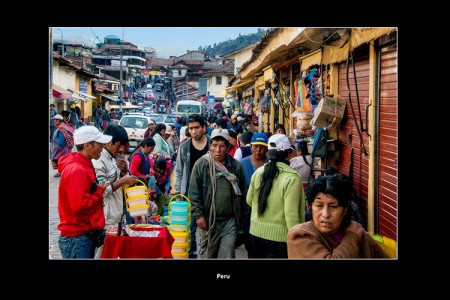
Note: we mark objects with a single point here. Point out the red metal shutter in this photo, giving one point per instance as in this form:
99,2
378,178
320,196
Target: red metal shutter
388,142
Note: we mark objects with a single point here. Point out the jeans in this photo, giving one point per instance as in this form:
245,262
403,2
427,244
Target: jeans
82,246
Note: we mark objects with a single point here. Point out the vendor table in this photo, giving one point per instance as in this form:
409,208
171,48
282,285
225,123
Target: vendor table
139,247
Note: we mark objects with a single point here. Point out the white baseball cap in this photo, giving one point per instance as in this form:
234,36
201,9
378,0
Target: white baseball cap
220,132
279,142
58,117
86,134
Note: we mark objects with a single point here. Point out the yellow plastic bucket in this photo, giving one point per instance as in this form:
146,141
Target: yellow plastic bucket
135,196
180,255
139,210
180,236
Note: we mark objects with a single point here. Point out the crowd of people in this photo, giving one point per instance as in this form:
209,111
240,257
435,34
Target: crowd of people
245,187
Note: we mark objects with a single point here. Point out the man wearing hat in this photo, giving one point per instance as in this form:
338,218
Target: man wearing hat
217,192
235,125
62,141
80,196
258,157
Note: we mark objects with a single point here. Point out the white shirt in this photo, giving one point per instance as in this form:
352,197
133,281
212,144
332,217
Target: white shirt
238,153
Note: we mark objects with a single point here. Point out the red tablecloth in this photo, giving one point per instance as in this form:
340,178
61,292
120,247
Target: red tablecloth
139,247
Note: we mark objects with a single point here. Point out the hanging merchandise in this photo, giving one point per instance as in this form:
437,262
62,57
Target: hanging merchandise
313,87
264,100
247,108
298,96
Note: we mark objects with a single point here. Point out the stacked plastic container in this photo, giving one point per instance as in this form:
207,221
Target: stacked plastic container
179,220
136,199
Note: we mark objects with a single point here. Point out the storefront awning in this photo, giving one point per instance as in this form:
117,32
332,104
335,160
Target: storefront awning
79,98
239,85
314,58
113,98
61,93
83,94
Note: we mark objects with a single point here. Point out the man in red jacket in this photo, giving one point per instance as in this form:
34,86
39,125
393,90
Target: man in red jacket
80,200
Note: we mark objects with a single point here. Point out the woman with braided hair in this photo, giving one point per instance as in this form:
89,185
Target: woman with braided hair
277,201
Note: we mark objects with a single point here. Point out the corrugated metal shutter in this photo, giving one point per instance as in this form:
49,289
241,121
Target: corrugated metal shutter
388,144
348,134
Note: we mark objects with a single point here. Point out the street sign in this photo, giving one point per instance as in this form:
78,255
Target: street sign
211,101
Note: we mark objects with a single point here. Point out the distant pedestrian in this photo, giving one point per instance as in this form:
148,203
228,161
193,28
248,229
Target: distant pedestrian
244,149
53,113
80,196
98,117
302,162
62,141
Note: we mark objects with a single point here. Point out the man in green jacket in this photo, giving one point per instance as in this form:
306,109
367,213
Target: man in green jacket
217,192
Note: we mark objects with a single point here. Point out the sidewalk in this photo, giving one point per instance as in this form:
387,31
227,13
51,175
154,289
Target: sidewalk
53,221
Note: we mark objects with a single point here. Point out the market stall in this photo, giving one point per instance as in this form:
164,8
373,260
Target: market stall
157,245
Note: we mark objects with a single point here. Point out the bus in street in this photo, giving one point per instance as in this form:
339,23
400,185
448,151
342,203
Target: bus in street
189,107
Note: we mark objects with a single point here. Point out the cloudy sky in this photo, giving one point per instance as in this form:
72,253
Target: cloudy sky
166,40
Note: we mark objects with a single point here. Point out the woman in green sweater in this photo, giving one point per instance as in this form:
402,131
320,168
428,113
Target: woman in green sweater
277,200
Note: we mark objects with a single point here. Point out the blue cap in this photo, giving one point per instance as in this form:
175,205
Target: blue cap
260,138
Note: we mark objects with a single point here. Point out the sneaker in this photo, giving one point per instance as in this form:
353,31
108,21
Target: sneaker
57,175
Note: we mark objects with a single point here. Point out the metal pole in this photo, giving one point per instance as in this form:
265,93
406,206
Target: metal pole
120,83
51,67
62,42
187,85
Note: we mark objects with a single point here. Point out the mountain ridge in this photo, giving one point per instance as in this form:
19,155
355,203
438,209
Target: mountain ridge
231,45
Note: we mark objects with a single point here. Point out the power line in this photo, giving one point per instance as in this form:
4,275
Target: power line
95,35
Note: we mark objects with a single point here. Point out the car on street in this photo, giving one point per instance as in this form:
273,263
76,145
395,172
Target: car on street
147,111
170,120
149,94
135,125
159,87
158,118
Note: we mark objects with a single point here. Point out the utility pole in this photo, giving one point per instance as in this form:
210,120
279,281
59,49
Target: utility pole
120,83
62,43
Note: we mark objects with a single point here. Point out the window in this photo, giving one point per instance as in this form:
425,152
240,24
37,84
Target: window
83,85
179,72
218,80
